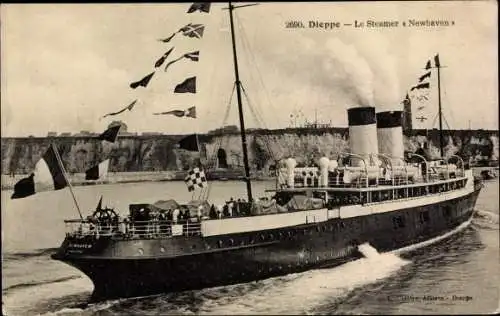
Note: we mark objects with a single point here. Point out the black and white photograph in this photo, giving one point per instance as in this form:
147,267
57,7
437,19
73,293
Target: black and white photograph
271,158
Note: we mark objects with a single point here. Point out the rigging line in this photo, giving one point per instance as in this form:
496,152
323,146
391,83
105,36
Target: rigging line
252,109
213,157
266,92
450,133
257,114
245,47
266,142
434,120
256,117
224,121
258,81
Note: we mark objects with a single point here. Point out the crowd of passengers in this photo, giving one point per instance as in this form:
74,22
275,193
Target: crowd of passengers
145,221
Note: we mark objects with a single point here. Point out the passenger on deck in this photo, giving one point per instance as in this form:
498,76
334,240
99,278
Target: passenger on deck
185,214
236,210
199,213
124,225
175,215
219,211
213,213
225,210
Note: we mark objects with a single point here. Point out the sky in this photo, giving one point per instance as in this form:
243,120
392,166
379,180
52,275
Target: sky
66,65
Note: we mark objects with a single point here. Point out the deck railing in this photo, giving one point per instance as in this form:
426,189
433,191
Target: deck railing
124,228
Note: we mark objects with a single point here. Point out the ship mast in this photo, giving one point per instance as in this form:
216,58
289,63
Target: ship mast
441,138
240,108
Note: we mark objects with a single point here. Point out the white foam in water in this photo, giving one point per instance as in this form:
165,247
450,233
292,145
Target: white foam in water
298,293
368,251
20,301
489,216
90,310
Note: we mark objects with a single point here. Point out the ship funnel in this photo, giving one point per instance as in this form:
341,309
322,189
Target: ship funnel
362,133
290,168
323,162
390,135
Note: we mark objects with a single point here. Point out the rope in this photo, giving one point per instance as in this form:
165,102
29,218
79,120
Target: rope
211,162
266,143
256,67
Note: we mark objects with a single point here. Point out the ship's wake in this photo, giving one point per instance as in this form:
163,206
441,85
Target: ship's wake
300,293
485,220
307,292
41,297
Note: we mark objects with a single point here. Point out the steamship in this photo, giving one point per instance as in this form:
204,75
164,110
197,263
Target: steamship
317,218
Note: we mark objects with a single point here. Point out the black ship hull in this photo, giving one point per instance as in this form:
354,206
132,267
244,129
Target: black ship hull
236,258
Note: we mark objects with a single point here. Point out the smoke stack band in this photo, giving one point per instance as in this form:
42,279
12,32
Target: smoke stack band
390,135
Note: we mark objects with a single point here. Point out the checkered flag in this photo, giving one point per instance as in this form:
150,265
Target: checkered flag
195,178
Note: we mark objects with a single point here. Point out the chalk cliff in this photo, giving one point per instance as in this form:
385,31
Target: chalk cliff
159,152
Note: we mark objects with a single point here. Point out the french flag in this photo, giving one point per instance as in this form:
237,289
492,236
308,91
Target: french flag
97,172
48,175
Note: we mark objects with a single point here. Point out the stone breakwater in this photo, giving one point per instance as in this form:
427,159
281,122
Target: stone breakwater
158,154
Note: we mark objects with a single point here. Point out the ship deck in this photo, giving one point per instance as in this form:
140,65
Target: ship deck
377,187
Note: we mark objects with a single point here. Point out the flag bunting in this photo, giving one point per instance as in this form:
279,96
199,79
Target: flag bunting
110,134
194,56
162,59
97,172
199,6
128,107
48,175
143,82
190,112
420,86
190,30
195,179
187,86
189,143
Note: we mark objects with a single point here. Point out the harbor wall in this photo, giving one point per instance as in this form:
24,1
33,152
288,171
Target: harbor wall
159,153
